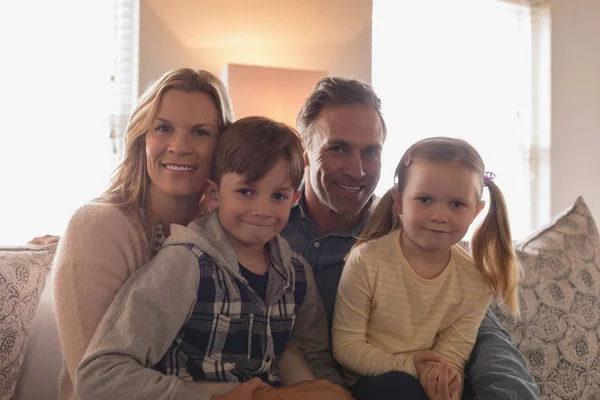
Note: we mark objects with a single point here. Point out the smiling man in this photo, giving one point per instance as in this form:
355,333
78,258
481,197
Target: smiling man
343,131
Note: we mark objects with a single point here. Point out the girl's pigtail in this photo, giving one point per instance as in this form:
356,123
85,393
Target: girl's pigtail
383,220
493,252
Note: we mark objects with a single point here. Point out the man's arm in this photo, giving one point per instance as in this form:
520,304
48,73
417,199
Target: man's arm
292,367
496,368
310,335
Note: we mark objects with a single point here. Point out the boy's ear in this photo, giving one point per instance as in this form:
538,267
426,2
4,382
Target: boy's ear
296,195
397,197
211,191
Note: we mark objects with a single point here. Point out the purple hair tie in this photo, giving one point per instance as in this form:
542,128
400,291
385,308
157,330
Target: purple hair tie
488,177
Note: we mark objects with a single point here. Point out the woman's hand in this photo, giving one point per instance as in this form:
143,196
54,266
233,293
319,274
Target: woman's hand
440,382
44,240
245,391
320,389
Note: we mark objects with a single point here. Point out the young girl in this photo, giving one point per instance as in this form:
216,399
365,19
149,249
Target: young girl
410,300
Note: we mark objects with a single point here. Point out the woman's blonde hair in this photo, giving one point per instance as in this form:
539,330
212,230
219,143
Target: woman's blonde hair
491,244
130,181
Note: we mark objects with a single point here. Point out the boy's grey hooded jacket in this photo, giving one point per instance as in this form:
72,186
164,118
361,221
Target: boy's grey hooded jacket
190,314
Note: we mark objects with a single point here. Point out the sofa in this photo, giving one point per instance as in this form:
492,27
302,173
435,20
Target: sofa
558,332
30,355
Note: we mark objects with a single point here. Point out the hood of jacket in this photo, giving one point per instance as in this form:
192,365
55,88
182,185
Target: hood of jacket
208,234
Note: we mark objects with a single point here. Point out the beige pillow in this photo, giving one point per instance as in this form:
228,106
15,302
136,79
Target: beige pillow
560,305
23,273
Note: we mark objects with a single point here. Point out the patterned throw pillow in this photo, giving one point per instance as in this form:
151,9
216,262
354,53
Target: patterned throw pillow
22,278
558,332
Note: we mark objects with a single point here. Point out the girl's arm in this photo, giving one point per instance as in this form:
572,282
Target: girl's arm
352,306
99,250
137,330
456,342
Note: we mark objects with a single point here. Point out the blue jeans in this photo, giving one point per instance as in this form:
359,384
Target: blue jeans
391,385
496,369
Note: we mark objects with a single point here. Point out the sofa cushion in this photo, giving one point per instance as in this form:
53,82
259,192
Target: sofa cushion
560,305
23,273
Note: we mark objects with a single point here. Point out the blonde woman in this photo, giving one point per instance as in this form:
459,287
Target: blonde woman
169,144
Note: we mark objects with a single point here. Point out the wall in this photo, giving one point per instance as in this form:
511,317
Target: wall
277,93
575,151
160,50
575,83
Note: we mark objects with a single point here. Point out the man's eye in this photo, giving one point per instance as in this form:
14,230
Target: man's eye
336,149
371,153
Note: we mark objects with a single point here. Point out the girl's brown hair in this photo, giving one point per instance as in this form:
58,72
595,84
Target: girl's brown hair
491,244
130,181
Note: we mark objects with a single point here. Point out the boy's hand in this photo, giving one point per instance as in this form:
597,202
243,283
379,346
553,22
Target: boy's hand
244,391
422,358
320,389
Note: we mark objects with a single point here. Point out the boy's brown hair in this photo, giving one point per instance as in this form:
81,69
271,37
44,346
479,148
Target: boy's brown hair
252,146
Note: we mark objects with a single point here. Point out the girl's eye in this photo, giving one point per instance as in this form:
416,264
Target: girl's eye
424,200
279,196
164,128
456,204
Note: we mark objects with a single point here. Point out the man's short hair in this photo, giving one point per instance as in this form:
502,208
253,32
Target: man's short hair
331,92
252,146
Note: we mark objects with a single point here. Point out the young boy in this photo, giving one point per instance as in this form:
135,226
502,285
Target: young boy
224,295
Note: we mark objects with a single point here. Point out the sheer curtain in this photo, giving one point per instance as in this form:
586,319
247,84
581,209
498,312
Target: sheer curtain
473,69
63,76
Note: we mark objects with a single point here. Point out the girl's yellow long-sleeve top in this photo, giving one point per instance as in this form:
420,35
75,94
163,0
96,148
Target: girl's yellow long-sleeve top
385,312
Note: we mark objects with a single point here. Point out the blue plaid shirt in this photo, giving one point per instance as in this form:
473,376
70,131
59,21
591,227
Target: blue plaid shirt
325,254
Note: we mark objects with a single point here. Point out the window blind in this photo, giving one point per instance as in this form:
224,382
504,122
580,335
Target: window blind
69,71
126,67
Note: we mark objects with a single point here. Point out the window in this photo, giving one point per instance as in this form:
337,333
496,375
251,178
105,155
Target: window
474,69
64,80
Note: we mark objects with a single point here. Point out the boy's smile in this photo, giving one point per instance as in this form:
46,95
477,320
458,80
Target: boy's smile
253,213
